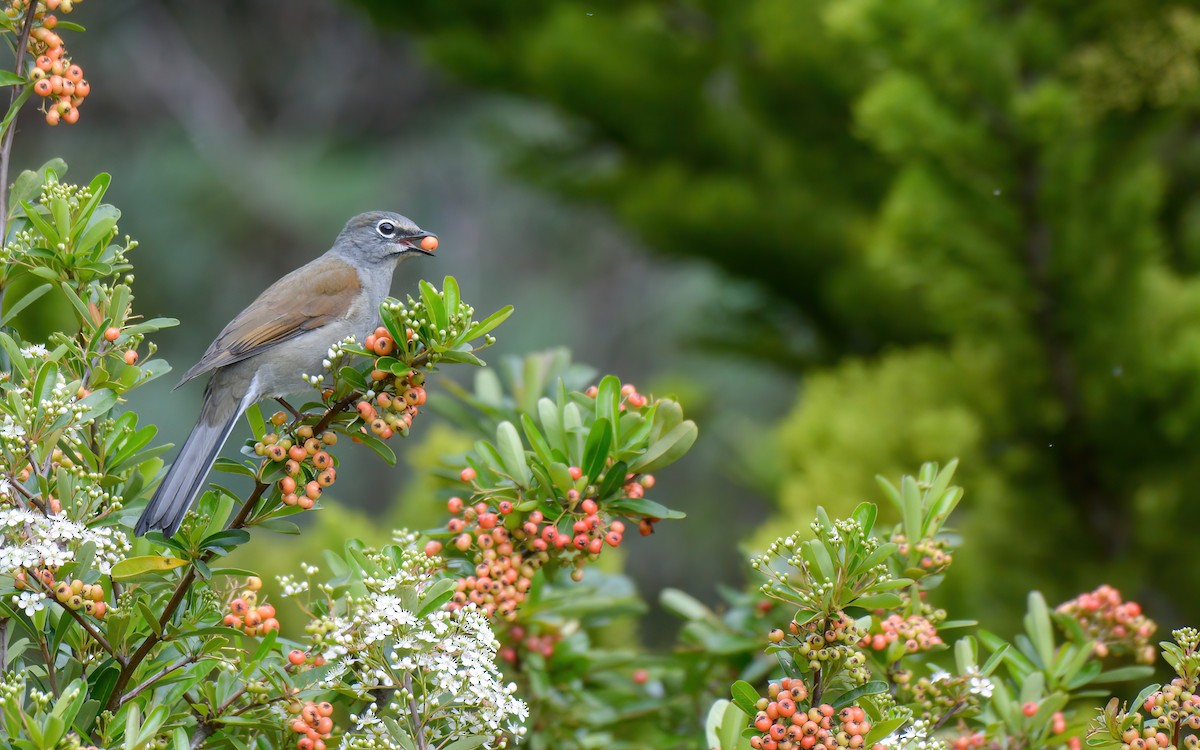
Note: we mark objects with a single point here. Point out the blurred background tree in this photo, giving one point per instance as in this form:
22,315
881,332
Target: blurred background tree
964,229
973,225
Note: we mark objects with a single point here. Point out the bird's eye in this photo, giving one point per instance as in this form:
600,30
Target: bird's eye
386,229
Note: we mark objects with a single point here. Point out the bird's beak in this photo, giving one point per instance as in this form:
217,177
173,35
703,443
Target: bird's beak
418,243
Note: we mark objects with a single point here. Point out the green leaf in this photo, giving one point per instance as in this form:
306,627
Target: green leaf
1037,625
381,448
450,295
258,425
685,605
436,596
149,617
667,449
433,304
487,324
9,78
871,688
24,301
136,566
595,451
644,507
745,697
882,730
878,601
512,453
226,539
865,514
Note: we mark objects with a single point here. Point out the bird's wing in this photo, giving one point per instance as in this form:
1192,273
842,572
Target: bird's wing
305,299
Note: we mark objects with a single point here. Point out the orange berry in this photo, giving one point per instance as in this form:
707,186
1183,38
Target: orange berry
269,624
299,726
322,460
266,611
296,657
82,89
232,621
131,356
43,88
306,502
433,548
290,499
1030,708
325,708
112,333
455,505
52,117
297,453
304,743
327,477
72,117
467,474
253,619
383,346
325,724
312,490
99,609
238,606
44,62
49,22
287,485
429,244
575,472
74,74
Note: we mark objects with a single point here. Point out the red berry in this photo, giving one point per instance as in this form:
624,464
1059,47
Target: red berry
467,475
433,548
1029,709
296,657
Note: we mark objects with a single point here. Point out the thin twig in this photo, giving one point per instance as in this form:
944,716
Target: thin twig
189,659
418,728
6,146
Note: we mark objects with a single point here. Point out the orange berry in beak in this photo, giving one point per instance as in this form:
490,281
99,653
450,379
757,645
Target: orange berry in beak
429,244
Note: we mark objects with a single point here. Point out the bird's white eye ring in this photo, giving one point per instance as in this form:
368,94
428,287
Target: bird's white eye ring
386,229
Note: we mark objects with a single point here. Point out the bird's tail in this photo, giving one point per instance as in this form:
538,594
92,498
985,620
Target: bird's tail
183,481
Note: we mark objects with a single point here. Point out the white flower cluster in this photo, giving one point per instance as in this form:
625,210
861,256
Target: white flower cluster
31,540
442,664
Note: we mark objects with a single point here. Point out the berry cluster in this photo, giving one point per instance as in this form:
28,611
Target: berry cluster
934,555
315,723
1175,704
827,642
1118,628
1153,738
388,413
247,615
518,638
309,468
74,594
509,546
55,78
972,741
918,634
298,658
932,698
130,355
784,725
629,395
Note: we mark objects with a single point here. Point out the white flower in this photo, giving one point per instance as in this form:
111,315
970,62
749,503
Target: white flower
10,430
30,601
34,350
981,686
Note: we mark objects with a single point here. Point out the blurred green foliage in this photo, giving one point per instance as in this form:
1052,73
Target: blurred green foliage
984,214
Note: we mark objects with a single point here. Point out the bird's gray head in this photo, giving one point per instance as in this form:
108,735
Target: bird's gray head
383,236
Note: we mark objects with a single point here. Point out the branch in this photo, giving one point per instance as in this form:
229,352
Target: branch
189,659
418,729
6,146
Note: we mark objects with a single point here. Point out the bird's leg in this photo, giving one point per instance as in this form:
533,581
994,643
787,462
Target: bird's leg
290,408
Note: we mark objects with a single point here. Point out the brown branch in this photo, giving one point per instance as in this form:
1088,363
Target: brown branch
189,659
6,146
418,728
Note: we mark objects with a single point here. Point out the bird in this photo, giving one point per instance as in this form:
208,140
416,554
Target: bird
285,332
